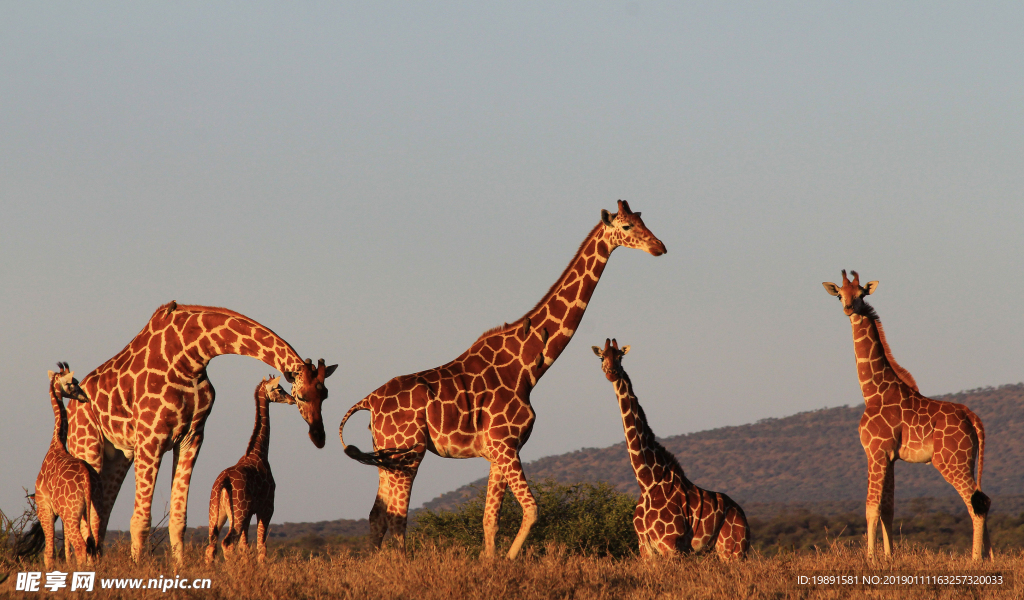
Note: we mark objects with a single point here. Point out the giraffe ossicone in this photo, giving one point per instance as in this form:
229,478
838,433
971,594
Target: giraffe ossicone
154,396
247,488
66,487
899,423
479,403
673,515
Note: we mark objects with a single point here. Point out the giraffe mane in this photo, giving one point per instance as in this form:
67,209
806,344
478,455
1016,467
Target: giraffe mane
551,291
902,373
217,310
647,434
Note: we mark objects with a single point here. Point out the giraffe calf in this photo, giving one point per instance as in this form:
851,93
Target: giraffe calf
248,487
67,487
673,515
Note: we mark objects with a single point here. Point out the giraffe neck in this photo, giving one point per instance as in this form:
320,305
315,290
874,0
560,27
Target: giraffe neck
645,452
875,363
60,417
568,298
185,338
259,442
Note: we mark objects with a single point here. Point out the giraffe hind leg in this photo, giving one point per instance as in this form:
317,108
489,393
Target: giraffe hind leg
512,472
492,509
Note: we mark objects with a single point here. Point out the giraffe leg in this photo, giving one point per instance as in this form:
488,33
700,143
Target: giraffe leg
146,468
887,505
378,517
876,479
492,509
73,539
111,476
185,453
399,490
646,550
217,518
959,474
262,526
46,521
243,536
512,472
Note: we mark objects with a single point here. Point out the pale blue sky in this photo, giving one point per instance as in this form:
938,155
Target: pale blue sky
379,183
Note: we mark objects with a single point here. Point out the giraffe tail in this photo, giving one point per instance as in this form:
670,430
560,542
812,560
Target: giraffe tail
388,458
980,430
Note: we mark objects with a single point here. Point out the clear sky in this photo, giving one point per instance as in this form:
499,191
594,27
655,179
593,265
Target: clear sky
381,182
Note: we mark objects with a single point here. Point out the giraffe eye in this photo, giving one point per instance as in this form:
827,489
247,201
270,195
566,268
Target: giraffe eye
627,227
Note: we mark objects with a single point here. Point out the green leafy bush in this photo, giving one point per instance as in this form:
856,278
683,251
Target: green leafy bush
585,518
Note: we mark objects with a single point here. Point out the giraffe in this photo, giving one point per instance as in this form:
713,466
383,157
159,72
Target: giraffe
247,488
154,396
673,515
67,487
900,423
478,405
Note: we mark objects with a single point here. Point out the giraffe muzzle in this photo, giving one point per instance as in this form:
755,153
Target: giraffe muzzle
316,434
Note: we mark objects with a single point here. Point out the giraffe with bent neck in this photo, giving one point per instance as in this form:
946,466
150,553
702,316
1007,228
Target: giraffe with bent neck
673,515
479,403
154,396
66,487
900,423
247,488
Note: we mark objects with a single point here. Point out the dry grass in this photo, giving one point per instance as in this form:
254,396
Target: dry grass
455,573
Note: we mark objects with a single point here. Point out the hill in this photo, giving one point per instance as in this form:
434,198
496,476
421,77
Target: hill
812,459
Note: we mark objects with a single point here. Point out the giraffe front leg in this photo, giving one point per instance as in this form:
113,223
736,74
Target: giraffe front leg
887,505
185,453
876,480
512,472
492,509
114,469
146,468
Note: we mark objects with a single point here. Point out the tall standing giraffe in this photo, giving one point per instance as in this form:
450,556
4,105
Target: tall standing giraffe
67,487
479,403
154,396
900,423
247,487
673,515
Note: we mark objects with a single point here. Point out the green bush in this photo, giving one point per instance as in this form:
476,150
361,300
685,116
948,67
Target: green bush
592,519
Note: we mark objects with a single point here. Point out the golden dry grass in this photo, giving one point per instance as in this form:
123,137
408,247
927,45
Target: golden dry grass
454,573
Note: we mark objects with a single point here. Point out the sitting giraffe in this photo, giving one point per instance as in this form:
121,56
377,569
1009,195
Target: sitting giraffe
66,486
900,423
248,487
673,515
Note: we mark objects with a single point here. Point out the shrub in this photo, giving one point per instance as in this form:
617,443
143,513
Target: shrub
585,518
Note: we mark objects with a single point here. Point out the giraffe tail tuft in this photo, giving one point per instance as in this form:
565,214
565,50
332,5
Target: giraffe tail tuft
980,503
389,458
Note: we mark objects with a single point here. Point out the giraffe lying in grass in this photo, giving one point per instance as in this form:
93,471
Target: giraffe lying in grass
66,486
673,515
248,487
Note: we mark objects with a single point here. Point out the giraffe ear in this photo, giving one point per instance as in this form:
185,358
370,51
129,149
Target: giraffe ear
330,370
625,350
606,218
597,351
831,288
870,287
50,374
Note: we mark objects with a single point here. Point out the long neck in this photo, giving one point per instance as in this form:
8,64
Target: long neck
875,363
259,442
186,338
60,421
649,459
561,309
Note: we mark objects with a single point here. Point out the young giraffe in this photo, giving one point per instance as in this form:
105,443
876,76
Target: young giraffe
248,487
900,423
673,515
479,403
67,487
154,396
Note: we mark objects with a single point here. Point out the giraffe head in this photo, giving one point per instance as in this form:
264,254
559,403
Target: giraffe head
611,359
271,388
309,392
626,228
64,383
851,294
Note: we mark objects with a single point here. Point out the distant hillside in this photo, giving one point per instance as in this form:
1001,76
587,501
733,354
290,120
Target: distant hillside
811,458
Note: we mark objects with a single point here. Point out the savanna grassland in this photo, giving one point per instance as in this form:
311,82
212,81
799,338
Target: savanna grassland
455,572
